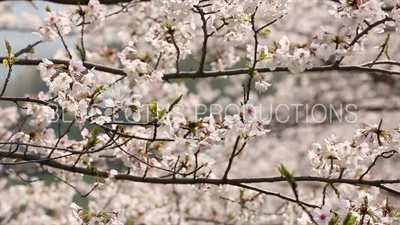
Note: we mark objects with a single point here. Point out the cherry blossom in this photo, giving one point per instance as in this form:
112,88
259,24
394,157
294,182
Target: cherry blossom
161,139
55,24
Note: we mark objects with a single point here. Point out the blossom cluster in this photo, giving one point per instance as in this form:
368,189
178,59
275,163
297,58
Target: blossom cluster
172,147
101,218
136,66
348,211
97,12
348,157
54,25
249,123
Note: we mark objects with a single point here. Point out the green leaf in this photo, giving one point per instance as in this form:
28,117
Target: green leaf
386,46
133,108
387,38
100,180
98,90
289,177
241,193
247,19
153,109
48,9
265,32
263,56
147,55
168,26
79,49
334,220
161,113
386,52
14,60
380,124
148,143
17,160
120,128
349,220
174,103
93,139
95,131
131,221
366,201
276,45
87,163
352,221
8,48
5,63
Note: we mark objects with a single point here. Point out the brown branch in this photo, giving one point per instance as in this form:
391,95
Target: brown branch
193,75
277,194
28,99
205,40
154,180
10,67
27,49
382,62
228,168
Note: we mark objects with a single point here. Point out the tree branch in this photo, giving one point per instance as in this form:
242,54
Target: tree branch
154,180
193,75
28,99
